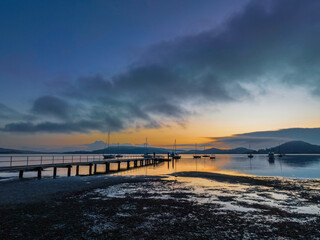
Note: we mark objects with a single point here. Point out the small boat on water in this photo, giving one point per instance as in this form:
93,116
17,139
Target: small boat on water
250,155
205,155
119,155
280,154
212,157
195,152
146,155
271,156
108,156
174,154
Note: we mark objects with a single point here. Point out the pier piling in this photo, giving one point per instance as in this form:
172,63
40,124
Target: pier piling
54,172
21,174
39,172
90,169
69,170
107,167
77,170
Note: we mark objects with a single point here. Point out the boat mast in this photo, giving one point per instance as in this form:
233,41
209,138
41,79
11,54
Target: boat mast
146,145
108,141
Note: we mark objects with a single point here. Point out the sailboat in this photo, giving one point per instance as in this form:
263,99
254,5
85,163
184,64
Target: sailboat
280,154
146,155
119,155
195,152
250,155
174,154
205,155
271,156
108,156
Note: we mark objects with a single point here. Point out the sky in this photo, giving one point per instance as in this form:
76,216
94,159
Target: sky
212,72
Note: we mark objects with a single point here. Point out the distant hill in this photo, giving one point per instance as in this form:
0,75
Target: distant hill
294,147
297,147
131,150
14,151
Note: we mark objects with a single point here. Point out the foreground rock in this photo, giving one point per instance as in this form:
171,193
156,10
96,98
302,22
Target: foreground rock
188,206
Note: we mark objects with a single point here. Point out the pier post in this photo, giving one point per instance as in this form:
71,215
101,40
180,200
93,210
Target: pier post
54,172
95,168
39,173
69,171
135,163
107,167
21,174
128,164
90,169
77,170
118,166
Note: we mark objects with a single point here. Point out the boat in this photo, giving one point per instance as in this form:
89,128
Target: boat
146,155
250,155
119,155
108,156
205,155
280,154
195,152
271,157
174,154
212,157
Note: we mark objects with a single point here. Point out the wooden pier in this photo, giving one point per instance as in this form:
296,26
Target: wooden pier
131,162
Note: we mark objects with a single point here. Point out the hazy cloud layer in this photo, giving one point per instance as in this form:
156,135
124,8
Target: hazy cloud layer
274,42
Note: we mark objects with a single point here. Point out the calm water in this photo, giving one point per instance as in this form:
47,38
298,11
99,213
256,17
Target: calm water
293,166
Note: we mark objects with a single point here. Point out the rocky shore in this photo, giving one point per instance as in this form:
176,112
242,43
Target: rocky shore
186,205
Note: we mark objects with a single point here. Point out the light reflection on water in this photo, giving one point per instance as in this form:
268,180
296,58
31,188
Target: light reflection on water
294,166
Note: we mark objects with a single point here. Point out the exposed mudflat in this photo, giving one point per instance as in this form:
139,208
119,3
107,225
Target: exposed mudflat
187,205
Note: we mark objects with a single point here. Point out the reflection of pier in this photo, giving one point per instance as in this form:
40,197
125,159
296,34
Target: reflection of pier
11,163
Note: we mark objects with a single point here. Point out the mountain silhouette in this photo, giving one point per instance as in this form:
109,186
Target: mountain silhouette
293,147
297,147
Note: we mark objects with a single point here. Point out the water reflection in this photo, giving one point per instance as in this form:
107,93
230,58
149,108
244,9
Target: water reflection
297,166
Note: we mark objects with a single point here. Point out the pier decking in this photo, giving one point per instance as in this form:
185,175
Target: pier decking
39,163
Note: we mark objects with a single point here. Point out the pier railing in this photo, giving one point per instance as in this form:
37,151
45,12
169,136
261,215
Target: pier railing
42,159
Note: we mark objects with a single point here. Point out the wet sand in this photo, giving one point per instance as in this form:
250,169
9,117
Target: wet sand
185,205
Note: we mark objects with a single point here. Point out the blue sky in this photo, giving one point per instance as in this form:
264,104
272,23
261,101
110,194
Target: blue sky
192,70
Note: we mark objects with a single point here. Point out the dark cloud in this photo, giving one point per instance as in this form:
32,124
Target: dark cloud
52,106
51,127
268,43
